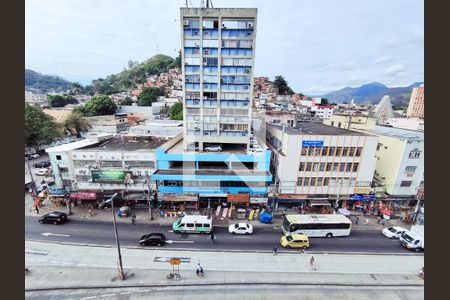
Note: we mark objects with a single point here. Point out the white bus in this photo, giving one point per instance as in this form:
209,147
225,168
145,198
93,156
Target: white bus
317,225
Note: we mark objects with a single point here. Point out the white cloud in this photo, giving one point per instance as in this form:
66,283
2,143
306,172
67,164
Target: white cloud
382,60
394,70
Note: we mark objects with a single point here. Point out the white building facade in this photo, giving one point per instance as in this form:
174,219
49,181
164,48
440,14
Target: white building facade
320,161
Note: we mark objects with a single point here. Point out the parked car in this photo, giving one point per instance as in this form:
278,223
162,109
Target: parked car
153,239
393,232
295,241
33,156
55,217
42,164
240,228
213,148
41,172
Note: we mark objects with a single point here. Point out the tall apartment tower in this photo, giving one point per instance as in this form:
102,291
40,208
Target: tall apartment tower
416,103
218,51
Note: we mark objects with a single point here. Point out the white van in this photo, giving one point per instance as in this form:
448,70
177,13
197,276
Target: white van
414,239
193,224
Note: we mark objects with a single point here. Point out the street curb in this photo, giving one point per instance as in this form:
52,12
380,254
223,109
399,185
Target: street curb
197,284
230,250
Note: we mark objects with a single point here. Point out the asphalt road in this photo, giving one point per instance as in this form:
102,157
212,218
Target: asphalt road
102,233
236,292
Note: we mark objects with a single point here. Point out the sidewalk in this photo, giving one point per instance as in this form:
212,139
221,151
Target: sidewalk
66,266
143,216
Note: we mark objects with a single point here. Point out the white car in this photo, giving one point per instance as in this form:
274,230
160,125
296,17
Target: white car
213,148
393,232
41,172
240,228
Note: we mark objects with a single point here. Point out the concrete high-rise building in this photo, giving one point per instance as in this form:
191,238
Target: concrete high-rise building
416,103
218,51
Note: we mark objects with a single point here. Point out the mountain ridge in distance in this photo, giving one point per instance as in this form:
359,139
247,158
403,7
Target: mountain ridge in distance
372,92
45,83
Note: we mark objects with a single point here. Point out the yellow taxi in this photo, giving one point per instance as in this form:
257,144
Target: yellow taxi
295,241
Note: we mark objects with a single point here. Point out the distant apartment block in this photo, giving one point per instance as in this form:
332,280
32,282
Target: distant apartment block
218,65
400,161
351,121
108,124
416,105
35,98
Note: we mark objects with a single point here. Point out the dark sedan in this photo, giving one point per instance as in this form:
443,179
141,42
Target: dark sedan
153,239
42,164
55,217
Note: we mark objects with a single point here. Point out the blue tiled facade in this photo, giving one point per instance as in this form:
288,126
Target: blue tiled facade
233,179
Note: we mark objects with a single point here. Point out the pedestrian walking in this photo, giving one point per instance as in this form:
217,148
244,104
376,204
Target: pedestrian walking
366,222
357,220
133,219
37,209
212,238
311,261
378,220
90,212
275,250
422,272
199,270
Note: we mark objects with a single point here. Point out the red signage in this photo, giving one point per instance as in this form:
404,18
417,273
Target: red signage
83,195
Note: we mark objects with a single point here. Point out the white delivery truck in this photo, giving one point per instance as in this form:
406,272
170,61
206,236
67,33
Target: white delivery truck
414,239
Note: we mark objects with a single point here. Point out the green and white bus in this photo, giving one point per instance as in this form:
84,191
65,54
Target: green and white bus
193,224
317,225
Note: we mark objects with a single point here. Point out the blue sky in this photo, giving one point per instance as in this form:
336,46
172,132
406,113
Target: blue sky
318,45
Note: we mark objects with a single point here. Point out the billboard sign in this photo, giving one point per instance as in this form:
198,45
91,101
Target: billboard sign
83,195
312,143
362,197
110,176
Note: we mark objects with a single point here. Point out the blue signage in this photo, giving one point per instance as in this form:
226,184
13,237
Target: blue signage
312,144
362,197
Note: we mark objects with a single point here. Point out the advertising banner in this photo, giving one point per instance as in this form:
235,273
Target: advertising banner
178,197
362,197
110,176
238,198
259,200
83,195
312,143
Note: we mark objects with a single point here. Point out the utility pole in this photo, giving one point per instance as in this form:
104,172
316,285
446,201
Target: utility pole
149,198
33,184
69,209
120,274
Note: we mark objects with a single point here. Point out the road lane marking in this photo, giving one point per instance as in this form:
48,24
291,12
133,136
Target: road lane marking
181,242
144,291
90,297
31,251
107,295
54,234
125,293
170,231
84,265
241,237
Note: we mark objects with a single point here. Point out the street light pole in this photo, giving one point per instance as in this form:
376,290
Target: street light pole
33,184
69,209
121,275
149,200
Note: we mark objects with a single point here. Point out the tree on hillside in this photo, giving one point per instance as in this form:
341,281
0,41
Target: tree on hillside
324,101
149,95
176,111
56,100
282,85
40,128
126,101
99,105
75,124
76,87
177,62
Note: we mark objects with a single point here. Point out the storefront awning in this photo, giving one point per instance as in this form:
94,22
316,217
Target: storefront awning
238,198
319,203
212,195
